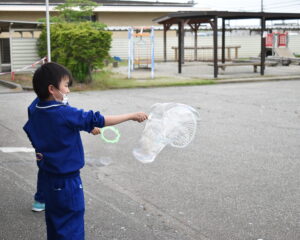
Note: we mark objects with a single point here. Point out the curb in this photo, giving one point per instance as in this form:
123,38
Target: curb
20,88
261,79
27,88
15,86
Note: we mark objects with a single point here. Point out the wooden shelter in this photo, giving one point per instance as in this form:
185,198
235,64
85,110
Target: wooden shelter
195,19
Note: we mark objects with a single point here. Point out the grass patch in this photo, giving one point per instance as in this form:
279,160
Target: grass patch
24,79
108,80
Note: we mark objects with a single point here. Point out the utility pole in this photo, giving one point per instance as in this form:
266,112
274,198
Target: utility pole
48,32
262,5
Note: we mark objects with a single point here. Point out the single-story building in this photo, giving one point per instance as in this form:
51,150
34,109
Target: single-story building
19,27
19,30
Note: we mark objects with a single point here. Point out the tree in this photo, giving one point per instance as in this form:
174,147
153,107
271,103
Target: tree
77,43
76,10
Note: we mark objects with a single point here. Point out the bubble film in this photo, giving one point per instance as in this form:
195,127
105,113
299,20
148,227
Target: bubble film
171,124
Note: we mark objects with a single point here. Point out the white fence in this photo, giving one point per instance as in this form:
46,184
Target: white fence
250,46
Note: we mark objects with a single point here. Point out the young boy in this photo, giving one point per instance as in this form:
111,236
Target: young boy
39,201
54,131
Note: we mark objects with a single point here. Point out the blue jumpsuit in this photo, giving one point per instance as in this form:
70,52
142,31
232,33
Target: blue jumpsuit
54,131
39,195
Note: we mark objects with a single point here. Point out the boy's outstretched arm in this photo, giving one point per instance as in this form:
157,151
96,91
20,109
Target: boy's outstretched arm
116,119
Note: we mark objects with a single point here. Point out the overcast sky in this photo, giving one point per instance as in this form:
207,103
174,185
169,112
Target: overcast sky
287,6
252,5
292,6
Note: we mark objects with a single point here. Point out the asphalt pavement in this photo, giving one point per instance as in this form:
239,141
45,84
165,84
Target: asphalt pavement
238,180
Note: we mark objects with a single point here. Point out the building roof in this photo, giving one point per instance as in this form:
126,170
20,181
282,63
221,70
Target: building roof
5,24
133,9
206,15
188,3
105,6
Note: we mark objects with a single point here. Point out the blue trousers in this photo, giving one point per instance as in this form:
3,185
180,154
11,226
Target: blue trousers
65,208
39,195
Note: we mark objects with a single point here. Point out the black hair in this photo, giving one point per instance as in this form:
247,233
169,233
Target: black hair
49,74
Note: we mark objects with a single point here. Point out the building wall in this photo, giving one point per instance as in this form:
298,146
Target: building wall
109,18
22,16
23,53
128,19
120,39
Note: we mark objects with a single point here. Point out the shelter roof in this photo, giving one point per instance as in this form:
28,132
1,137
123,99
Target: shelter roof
204,16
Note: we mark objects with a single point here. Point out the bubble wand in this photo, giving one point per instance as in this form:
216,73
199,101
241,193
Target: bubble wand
114,130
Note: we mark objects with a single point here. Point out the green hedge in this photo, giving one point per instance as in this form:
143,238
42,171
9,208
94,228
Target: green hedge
81,47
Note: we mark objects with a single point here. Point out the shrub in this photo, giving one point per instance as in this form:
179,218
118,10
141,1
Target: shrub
81,47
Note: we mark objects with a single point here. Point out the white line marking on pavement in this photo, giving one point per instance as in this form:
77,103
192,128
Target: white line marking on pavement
16,149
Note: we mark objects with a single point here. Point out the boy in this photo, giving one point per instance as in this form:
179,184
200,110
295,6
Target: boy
53,129
39,202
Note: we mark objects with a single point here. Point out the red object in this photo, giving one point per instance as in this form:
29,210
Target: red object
12,76
269,40
282,40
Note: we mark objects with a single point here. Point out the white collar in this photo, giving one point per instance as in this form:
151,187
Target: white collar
49,106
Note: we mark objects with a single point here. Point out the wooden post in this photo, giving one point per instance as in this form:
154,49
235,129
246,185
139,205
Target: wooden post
263,47
228,54
196,44
195,27
1,42
182,41
179,46
165,42
223,41
215,29
167,27
236,52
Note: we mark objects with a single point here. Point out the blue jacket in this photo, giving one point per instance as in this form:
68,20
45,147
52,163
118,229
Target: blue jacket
54,131
32,106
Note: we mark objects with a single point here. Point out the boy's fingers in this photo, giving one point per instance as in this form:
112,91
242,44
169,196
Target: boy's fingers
96,131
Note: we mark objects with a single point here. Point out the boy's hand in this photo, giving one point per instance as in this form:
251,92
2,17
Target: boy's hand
96,131
139,116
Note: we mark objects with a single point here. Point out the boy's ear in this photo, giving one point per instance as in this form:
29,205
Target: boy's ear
51,89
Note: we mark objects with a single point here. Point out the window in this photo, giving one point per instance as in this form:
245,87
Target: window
5,51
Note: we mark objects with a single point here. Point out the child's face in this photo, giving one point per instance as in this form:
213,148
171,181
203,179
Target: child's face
63,88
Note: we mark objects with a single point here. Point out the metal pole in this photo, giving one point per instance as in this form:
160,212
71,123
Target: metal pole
129,52
152,52
48,32
132,47
263,47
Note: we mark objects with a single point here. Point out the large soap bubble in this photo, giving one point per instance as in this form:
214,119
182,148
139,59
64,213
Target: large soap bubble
172,124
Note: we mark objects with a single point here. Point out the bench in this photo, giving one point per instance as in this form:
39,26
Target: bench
237,64
235,47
